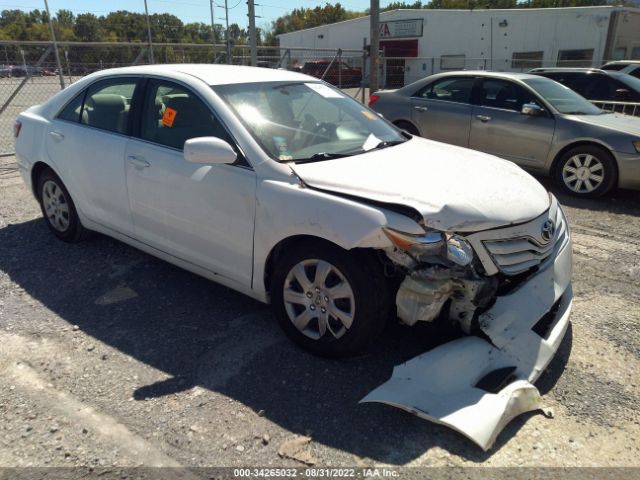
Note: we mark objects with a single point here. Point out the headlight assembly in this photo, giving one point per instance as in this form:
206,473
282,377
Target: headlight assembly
636,144
454,248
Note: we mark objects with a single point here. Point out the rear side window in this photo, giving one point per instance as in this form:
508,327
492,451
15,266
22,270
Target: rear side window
107,104
71,112
456,89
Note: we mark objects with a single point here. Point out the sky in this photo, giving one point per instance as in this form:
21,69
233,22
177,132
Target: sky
187,10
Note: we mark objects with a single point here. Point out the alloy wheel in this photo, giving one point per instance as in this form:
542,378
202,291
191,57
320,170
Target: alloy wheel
583,173
318,299
55,205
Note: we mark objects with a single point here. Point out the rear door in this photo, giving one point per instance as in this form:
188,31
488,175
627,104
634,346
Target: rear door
87,143
203,214
498,126
442,109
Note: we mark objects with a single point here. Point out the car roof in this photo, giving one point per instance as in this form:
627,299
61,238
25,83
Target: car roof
213,74
485,73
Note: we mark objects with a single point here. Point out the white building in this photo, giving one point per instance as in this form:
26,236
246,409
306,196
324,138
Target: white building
428,41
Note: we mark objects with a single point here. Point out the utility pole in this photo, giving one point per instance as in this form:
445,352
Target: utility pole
227,38
55,45
375,45
146,11
213,32
252,33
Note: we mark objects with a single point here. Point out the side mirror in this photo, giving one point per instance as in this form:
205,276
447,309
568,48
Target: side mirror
208,150
532,109
622,94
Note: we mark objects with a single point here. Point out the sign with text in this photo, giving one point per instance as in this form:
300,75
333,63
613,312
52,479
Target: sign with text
401,28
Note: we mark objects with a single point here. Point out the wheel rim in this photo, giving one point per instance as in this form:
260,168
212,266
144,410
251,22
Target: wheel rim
55,205
318,299
583,173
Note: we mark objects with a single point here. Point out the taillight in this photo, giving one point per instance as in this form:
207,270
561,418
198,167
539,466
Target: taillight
373,99
16,129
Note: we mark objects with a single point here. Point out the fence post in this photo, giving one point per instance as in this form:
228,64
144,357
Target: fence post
339,68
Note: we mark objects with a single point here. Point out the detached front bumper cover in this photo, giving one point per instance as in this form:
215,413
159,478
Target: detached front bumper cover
477,387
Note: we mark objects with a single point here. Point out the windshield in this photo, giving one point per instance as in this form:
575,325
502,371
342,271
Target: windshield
307,121
562,98
632,82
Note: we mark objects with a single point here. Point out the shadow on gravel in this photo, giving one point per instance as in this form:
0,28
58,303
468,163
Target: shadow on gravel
205,334
617,201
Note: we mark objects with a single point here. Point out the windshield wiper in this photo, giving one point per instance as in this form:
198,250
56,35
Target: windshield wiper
317,157
384,144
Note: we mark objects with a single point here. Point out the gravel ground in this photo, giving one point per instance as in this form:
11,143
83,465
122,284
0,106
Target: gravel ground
110,357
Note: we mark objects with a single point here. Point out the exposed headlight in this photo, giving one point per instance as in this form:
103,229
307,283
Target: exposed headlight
459,251
429,244
636,144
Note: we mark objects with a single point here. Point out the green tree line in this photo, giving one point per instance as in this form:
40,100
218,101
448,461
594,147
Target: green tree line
124,26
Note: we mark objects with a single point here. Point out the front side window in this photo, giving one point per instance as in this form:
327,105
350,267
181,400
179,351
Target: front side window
503,94
107,103
173,114
450,89
306,121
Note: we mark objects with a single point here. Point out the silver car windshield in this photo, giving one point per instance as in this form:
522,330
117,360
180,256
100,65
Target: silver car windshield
562,98
307,121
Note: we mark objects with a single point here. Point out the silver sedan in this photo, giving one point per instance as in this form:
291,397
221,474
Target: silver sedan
533,121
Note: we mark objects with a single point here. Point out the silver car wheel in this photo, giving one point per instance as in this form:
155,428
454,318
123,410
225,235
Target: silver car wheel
318,299
583,173
55,205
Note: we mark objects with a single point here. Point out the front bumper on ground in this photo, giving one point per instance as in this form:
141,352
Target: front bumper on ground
448,385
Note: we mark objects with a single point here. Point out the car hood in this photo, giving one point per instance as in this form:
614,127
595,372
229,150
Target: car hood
453,188
613,121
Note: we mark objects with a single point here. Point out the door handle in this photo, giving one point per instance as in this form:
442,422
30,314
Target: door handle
483,118
56,135
138,162
420,109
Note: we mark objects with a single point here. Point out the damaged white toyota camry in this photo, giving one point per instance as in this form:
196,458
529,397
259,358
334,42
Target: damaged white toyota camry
280,186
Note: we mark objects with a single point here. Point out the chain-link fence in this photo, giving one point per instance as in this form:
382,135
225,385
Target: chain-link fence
29,73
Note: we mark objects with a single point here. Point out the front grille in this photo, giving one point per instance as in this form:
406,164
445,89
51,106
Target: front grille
516,255
514,250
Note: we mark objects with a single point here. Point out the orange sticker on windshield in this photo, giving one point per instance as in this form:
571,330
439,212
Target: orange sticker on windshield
168,117
368,115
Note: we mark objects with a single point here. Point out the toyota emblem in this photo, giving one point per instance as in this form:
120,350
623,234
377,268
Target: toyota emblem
548,230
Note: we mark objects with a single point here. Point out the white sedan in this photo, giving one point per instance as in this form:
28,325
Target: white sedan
280,186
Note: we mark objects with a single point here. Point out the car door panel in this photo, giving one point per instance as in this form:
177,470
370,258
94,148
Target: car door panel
200,213
446,122
91,159
442,110
498,127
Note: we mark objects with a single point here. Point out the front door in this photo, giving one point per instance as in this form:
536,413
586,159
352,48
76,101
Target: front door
498,126
442,110
203,214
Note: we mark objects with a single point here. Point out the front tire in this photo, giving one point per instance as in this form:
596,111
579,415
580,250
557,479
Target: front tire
408,127
586,171
329,301
58,208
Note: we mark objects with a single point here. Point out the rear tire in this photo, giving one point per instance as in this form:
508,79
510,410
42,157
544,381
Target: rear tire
329,301
58,208
586,171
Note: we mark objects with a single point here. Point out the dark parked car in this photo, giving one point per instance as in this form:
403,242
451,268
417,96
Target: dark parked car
339,73
630,67
599,86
